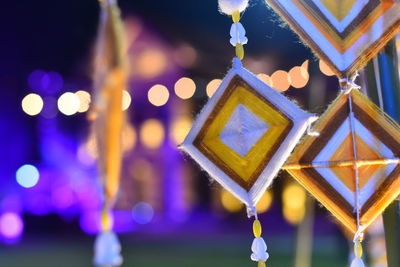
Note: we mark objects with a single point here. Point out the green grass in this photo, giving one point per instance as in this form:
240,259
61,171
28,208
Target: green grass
167,251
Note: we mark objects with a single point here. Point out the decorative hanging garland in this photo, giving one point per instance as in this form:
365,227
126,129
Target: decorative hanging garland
110,79
245,132
352,168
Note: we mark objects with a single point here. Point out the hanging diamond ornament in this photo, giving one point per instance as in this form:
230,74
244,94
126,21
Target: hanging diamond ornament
345,34
354,164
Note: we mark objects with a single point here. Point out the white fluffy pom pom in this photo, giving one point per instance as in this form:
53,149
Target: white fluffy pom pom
230,6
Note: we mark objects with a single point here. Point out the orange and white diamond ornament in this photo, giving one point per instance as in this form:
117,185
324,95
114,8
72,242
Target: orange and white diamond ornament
345,34
352,167
245,133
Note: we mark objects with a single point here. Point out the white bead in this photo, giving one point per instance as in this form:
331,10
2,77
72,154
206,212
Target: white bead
230,6
259,249
107,250
238,34
357,262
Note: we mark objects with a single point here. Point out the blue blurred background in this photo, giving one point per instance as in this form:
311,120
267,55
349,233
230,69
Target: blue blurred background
168,212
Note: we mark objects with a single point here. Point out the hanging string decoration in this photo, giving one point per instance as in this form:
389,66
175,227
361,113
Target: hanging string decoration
110,79
345,34
352,168
245,132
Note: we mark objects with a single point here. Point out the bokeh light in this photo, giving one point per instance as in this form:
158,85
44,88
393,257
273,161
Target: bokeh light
265,202
11,225
128,137
325,69
212,86
142,213
32,104
151,63
294,197
230,202
27,176
280,80
265,78
299,75
185,56
152,133
126,100
180,128
68,103
158,95
185,88
84,101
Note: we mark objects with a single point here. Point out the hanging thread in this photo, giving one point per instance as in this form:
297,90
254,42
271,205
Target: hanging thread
347,86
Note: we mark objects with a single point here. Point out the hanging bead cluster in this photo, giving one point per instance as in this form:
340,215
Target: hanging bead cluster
259,248
238,35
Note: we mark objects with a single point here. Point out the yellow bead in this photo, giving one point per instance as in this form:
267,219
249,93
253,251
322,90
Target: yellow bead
261,264
106,220
239,51
358,250
236,16
257,229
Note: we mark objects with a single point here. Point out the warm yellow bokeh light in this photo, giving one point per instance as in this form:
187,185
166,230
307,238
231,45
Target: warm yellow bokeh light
152,133
325,69
230,202
212,86
158,95
299,77
294,216
32,104
265,78
126,100
294,196
280,80
294,202
68,103
185,88
84,101
265,202
179,129
128,137
151,63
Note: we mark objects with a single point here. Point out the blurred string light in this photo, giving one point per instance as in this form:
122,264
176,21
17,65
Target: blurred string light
151,63
68,103
294,199
299,75
325,69
179,129
143,213
265,78
128,137
212,86
27,176
280,80
32,104
229,202
126,100
152,133
185,88
232,204
11,225
158,95
185,56
84,100
265,202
